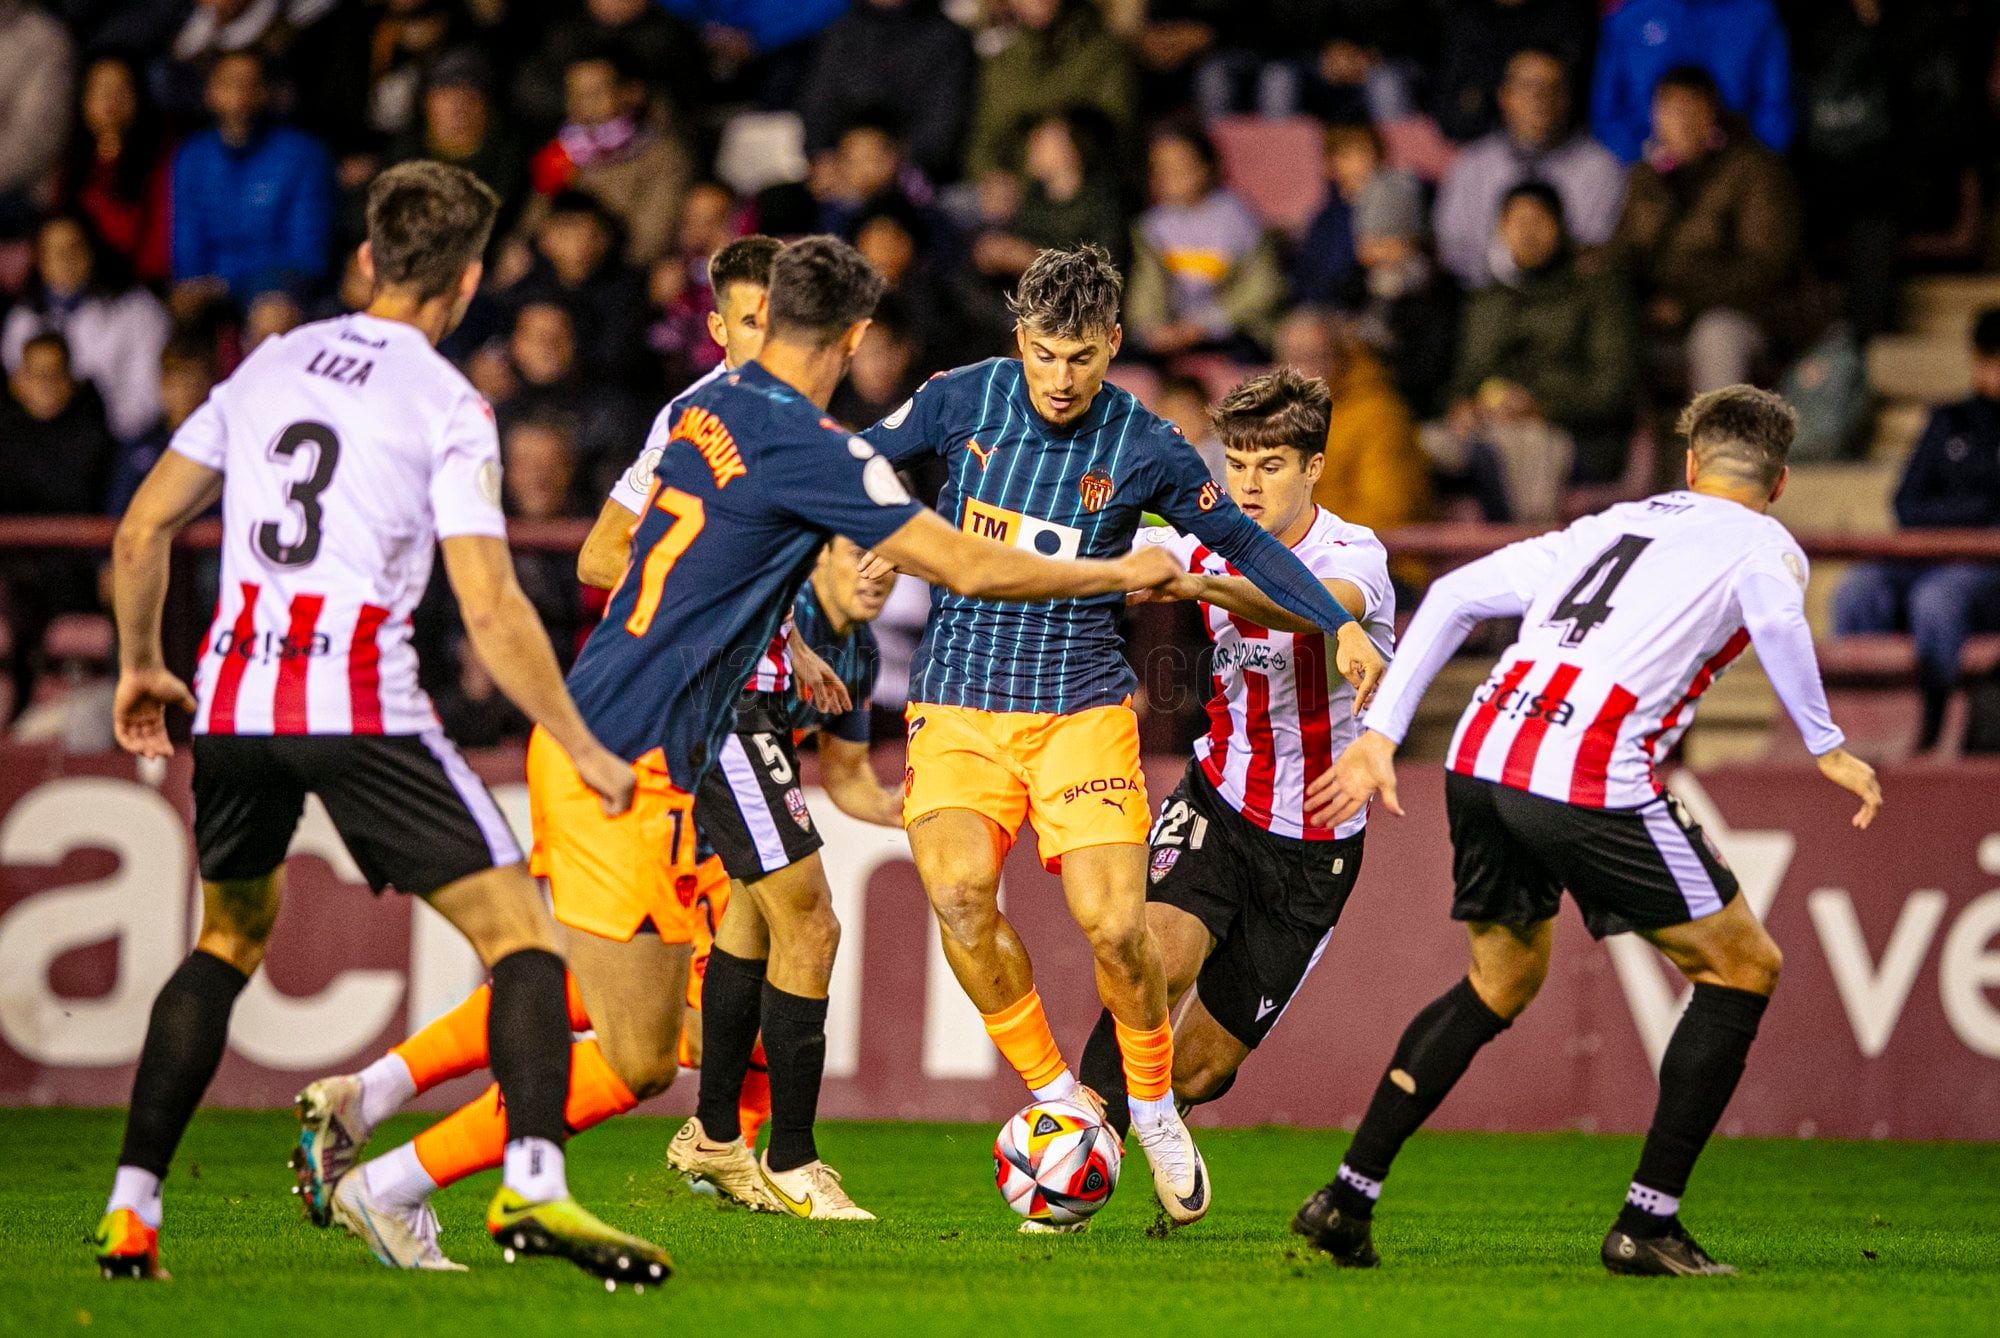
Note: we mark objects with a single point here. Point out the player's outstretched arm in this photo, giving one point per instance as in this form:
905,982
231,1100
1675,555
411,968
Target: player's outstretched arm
852,785
1364,769
601,562
510,640
930,549
1856,777
1234,594
174,493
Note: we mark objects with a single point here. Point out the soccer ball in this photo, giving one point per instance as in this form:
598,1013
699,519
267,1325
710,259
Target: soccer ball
1056,1162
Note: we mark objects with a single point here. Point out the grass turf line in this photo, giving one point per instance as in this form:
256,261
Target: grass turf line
1478,1231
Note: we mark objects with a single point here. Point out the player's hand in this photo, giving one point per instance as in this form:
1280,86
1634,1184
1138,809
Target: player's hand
817,681
609,776
1856,777
1355,656
1148,569
139,710
871,567
1364,769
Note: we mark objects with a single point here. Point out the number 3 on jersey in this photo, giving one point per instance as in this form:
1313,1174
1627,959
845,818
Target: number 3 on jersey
689,516
1588,603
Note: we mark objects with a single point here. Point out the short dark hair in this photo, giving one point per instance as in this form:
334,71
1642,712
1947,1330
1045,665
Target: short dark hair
1278,408
1691,79
427,221
1740,430
1986,333
1541,192
820,286
1070,293
745,260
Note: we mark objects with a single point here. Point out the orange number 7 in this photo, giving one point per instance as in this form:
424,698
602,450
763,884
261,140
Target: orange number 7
689,516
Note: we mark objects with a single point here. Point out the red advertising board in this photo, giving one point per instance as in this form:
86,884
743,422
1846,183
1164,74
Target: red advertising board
1887,1023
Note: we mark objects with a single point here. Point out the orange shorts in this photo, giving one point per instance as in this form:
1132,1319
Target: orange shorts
711,899
1076,776
608,876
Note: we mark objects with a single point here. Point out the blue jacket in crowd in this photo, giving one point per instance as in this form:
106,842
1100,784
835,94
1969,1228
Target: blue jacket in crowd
259,217
770,23
1952,479
1740,42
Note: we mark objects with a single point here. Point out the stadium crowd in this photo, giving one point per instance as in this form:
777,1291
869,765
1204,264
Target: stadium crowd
1533,225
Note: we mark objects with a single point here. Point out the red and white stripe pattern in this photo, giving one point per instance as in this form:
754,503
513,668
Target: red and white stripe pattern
304,663
774,667
1276,721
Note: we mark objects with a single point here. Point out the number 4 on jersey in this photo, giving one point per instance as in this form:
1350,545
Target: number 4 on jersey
1587,604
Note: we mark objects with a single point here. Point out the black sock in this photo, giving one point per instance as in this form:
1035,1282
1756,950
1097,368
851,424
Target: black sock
527,1043
732,995
1698,1075
184,1043
1104,1072
795,1050
1436,1049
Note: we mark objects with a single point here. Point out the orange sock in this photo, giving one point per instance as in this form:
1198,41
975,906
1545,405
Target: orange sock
473,1138
455,1044
1148,1056
1021,1030
753,1107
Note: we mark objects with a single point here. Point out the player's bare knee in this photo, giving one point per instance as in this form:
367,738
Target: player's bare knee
968,911
1509,987
1756,967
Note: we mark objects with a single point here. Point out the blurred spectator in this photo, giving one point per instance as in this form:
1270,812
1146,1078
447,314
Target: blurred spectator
1067,194
267,29
1477,44
1711,230
1175,38
252,199
114,328
884,373
1536,142
271,314
1183,401
1740,43
759,46
123,25
541,377
901,54
894,235
616,146
35,75
187,374
1348,78
1548,362
1405,309
577,265
867,166
409,38
1060,55
55,447
678,287
1376,474
458,125
1204,274
538,455
665,52
117,172
1952,480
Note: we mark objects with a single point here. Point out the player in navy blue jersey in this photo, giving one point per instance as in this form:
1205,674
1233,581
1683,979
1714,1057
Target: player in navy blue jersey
1023,710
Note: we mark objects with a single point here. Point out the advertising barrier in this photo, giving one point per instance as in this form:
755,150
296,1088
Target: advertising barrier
1887,1024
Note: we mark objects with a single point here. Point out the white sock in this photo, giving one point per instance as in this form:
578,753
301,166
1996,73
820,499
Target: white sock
1349,1176
138,1190
397,1180
534,1170
1060,1088
385,1086
1652,1200
1157,1111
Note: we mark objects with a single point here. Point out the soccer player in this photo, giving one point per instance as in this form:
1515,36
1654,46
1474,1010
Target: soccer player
342,453
753,481
1024,710
1627,617
1245,888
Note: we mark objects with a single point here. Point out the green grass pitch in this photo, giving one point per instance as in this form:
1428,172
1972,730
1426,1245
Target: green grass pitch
1480,1232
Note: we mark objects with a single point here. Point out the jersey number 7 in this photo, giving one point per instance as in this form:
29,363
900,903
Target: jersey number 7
689,516
1587,604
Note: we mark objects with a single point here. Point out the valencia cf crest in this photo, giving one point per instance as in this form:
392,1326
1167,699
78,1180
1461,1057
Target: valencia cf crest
1210,494
1164,860
1096,489
795,804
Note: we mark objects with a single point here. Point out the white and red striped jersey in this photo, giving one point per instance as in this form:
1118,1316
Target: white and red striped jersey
1627,618
774,667
1281,713
348,448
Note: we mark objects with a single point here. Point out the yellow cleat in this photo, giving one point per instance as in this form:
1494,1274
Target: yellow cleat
128,1248
565,1229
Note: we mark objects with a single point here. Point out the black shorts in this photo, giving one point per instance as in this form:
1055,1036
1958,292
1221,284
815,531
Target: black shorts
1270,902
412,813
1513,854
749,806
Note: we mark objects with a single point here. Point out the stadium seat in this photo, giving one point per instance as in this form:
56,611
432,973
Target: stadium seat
1137,378
1275,163
1417,146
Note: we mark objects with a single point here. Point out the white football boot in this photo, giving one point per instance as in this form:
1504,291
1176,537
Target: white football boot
730,1169
1180,1178
812,1191
400,1238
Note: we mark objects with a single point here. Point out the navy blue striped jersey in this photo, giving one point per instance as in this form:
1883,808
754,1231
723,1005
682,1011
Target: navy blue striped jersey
855,657
752,481
1077,490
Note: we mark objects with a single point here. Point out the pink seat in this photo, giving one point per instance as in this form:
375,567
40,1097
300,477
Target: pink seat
1275,164
1417,146
79,638
1136,377
1218,373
